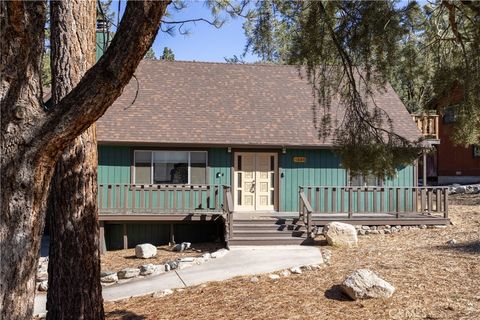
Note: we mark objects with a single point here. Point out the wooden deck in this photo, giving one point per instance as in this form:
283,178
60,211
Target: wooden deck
173,204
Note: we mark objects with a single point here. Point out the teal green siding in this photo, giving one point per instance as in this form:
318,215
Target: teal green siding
113,164
220,164
321,168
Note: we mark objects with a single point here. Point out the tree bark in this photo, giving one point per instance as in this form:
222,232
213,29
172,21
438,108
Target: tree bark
74,289
32,137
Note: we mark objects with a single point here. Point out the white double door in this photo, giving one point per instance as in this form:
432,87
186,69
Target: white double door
254,181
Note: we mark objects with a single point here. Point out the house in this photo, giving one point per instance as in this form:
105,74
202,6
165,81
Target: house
195,151
447,162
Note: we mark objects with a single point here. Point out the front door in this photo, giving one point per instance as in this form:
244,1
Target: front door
254,181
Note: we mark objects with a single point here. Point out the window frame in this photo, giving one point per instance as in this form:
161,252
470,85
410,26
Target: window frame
152,151
379,182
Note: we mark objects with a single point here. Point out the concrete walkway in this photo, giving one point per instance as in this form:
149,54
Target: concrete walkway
240,261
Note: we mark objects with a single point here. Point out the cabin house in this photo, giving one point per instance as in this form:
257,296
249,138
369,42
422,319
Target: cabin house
197,151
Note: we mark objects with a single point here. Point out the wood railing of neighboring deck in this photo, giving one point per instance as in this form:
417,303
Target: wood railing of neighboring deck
131,198
428,125
391,200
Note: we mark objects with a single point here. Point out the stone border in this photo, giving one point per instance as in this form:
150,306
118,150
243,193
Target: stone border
108,278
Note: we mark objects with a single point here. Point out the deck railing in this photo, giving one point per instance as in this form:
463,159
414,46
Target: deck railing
132,198
428,125
389,200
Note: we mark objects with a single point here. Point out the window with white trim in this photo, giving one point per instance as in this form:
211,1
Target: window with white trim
170,167
365,181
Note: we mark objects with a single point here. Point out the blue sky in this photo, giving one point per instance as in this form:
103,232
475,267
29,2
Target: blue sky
204,42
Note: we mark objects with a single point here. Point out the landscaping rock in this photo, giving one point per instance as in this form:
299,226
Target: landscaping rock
128,273
285,273
145,251
182,246
172,265
42,275
254,279
296,270
162,293
273,276
327,256
365,284
43,286
187,259
149,269
340,234
452,242
108,277
219,253
207,256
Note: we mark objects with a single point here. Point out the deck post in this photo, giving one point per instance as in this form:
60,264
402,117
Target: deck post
172,234
424,173
125,236
397,207
445,203
103,246
350,200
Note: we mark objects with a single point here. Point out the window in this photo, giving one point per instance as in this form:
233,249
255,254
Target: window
476,151
170,167
365,181
450,115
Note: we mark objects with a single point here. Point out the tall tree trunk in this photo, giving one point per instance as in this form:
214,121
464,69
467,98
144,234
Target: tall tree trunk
32,137
22,167
74,286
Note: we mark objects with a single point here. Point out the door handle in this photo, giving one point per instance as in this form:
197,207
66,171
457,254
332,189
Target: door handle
252,189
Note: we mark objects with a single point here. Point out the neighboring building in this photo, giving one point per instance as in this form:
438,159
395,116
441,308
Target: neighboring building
182,130
448,163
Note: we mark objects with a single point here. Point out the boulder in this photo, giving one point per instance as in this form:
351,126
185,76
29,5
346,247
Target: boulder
145,251
128,273
340,234
149,269
365,284
108,277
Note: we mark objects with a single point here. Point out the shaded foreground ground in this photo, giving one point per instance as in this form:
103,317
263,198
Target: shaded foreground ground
433,281
119,259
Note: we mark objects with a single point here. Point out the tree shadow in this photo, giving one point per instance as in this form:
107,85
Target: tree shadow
470,247
124,315
336,293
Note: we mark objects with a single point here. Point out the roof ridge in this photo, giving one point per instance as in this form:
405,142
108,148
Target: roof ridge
253,64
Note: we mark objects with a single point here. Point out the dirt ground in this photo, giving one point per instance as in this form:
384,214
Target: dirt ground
120,259
433,281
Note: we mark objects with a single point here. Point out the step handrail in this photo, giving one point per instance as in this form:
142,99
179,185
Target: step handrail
305,212
228,211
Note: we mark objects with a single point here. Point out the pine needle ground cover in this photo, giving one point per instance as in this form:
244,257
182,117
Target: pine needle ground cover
434,280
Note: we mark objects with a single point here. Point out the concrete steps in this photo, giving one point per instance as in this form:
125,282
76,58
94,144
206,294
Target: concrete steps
269,231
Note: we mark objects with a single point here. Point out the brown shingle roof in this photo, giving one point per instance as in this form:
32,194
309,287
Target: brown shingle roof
224,104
